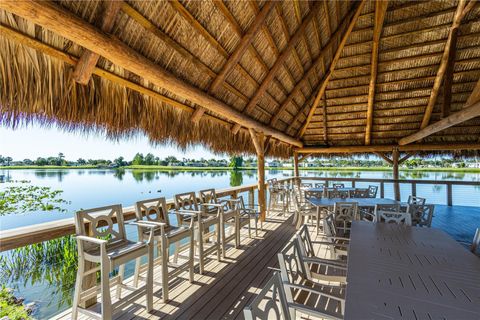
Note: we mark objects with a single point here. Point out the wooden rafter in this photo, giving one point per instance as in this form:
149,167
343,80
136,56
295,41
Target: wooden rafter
324,122
384,157
380,11
234,59
303,157
389,148
448,81
327,77
88,60
455,118
311,70
281,59
457,19
66,24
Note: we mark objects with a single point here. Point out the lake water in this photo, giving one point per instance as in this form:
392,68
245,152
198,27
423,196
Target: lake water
88,188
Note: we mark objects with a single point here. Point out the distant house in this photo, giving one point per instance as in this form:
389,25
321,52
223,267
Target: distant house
307,164
195,164
175,164
274,164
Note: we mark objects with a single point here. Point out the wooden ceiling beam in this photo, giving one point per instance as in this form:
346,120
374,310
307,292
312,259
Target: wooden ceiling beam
389,148
455,118
280,60
324,122
327,77
88,60
384,157
457,19
448,81
312,69
234,59
380,11
66,24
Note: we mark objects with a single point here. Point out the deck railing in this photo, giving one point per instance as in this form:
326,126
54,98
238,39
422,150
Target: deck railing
19,237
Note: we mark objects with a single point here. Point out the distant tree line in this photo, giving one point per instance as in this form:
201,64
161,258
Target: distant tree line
234,162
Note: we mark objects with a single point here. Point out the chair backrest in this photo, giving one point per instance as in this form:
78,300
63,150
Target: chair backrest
394,217
237,204
208,196
360,193
386,207
346,211
152,210
313,194
305,241
338,185
416,200
186,201
372,191
270,303
306,185
476,242
421,215
319,185
102,222
292,269
329,226
335,193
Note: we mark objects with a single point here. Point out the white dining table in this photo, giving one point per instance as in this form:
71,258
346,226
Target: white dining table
400,272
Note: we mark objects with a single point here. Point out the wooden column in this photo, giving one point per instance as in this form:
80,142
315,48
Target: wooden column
258,142
295,165
396,185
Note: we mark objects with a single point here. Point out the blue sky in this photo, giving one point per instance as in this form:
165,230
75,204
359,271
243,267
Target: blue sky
34,141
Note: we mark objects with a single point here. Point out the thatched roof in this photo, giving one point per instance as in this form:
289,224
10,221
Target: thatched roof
194,40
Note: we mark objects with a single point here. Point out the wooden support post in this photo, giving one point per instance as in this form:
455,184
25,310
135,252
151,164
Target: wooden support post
449,194
258,142
382,190
380,10
396,185
295,165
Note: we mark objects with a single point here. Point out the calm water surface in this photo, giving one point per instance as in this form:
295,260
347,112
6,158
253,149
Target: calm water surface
88,188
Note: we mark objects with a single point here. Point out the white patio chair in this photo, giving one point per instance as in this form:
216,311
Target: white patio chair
278,196
270,302
245,214
206,241
360,193
303,294
338,185
320,185
476,242
345,213
372,191
421,214
229,220
394,217
416,200
154,212
338,245
306,185
302,211
307,251
102,244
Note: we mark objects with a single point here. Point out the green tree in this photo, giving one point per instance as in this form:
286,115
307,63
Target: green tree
81,162
138,159
8,160
149,159
236,162
60,159
41,161
119,161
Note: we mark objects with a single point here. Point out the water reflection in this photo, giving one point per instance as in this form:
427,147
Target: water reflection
59,174
236,178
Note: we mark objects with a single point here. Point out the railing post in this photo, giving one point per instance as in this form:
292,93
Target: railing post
251,197
382,190
396,184
449,194
353,183
414,189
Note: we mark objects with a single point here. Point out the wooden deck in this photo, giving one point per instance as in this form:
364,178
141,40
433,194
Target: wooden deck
229,285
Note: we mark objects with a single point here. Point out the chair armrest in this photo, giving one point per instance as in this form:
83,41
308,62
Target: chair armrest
302,287
92,240
191,213
326,262
146,224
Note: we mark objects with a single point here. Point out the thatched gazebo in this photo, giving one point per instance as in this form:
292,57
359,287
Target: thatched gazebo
294,77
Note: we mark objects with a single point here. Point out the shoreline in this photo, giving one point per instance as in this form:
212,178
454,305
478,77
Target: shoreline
182,168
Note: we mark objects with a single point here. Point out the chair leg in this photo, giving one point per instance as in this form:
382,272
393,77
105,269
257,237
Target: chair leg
191,257
222,237
300,220
175,253
237,232
78,288
149,280
200,247
105,289
218,242
136,275
164,270
121,273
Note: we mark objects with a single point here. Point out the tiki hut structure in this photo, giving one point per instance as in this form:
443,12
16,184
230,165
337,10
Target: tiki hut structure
265,77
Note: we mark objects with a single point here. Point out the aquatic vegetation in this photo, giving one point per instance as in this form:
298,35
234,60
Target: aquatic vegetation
10,307
25,198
